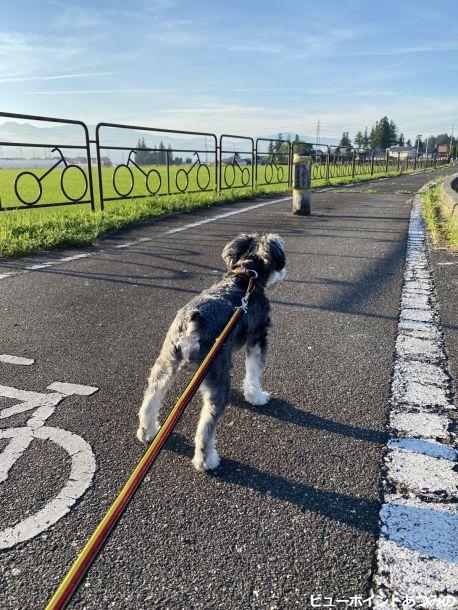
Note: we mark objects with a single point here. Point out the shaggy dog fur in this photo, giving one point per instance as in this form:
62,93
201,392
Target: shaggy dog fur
195,329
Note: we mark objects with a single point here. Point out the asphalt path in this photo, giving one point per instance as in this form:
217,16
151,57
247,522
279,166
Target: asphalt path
292,511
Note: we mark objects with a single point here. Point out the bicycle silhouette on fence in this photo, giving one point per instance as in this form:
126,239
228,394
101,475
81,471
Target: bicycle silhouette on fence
152,187
229,176
269,170
38,181
202,175
20,438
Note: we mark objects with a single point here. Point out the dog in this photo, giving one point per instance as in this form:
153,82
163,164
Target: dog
198,324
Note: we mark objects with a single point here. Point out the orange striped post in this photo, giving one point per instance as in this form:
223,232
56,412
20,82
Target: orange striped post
100,535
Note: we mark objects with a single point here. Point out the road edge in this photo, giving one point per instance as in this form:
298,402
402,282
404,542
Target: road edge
416,561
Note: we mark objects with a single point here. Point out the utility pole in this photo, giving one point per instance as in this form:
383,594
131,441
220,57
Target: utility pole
427,142
418,143
451,141
318,129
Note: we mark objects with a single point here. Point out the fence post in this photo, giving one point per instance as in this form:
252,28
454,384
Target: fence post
399,162
99,167
167,169
290,164
256,165
372,162
302,167
328,161
353,163
387,162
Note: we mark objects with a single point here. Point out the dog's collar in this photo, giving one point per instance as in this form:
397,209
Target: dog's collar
242,270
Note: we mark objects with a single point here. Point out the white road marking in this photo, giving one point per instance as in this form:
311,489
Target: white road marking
66,259
205,221
72,388
417,553
83,463
16,360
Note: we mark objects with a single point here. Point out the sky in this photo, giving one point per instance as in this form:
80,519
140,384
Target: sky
244,66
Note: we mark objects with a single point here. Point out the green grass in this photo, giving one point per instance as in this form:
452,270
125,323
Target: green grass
443,229
33,229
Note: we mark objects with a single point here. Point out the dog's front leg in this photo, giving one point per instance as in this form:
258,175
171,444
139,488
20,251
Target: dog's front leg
215,394
255,362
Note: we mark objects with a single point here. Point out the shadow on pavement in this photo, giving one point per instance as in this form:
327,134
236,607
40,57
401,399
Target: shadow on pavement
288,413
356,512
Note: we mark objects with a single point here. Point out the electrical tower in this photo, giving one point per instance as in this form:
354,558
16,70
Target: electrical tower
318,129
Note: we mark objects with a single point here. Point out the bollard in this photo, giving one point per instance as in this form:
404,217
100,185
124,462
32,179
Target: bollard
302,167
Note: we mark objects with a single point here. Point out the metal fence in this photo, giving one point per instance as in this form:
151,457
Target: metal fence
172,163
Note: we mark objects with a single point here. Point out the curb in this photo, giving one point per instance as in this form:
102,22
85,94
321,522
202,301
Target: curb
417,556
450,196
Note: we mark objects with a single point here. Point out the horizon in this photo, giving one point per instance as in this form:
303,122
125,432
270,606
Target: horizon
247,69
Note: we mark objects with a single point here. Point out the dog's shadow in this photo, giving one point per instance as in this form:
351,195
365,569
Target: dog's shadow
357,512
284,411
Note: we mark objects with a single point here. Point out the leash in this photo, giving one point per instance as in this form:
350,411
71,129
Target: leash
73,578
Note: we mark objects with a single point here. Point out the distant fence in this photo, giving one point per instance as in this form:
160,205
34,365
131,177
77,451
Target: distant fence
197,162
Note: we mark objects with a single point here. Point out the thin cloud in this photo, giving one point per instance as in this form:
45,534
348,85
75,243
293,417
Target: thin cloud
77,17
99,91
21,79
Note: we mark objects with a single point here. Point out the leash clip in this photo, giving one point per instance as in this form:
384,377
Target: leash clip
244,304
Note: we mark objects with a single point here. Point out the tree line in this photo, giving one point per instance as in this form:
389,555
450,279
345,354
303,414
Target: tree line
385,133
144,156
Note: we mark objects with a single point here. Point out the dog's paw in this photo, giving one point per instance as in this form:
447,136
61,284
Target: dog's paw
202,464
145,435
257,399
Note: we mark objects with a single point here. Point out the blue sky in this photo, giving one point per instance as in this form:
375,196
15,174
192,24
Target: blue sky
244,66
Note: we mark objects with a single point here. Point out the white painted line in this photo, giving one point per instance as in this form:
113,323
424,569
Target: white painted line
16,360
68,389
448,263
38,266
420,423
205,221
417,553
66,259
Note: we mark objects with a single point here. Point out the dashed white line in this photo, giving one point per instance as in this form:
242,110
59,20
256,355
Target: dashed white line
186,227
417,553
7,358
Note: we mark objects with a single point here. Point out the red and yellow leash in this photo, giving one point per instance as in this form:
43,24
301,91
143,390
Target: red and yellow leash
98,538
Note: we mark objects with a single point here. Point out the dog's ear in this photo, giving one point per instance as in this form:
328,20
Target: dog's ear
271,249
238,248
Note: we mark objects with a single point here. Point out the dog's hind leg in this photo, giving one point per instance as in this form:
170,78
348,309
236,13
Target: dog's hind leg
160,378
256,354
180,347
215,393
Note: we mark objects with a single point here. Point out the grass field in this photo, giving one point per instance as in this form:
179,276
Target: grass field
32,229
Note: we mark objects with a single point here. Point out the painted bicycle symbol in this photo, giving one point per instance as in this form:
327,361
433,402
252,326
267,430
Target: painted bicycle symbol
153,179
269,170
202,175
230,172
28,187
20,439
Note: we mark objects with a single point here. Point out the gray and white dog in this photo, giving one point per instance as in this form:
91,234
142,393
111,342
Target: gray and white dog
195,328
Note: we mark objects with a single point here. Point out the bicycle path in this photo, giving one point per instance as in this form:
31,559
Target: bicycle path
293,509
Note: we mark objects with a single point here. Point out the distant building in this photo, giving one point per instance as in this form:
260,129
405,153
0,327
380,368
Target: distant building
404,152
442,149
